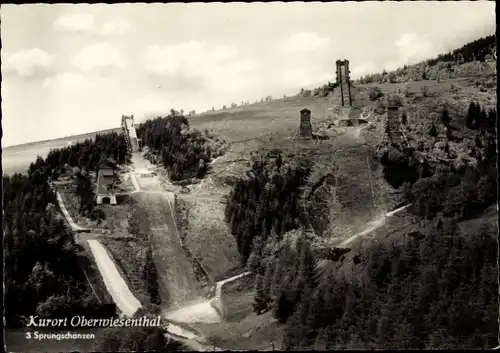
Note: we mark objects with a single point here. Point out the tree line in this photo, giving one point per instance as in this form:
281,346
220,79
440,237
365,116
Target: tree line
79,160
477,50
480,118
89,154
468,60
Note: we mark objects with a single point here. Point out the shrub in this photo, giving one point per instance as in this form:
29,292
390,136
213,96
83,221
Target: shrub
433,131
392,77
185,153
395,100
375,93
404,119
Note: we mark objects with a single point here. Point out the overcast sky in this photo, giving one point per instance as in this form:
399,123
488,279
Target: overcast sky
71,69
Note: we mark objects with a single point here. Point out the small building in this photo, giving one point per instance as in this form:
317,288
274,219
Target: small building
105,180
305,123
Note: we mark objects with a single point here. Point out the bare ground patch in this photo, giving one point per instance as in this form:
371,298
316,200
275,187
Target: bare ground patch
125,184
206,235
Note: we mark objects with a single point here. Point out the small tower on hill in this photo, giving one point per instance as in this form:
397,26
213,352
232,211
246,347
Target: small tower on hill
305,128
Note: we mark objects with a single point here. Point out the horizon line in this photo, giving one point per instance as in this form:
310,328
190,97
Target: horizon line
59,138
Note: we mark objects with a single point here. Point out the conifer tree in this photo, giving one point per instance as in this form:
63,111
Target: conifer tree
404,119
469,120
433,131
445,117
260,296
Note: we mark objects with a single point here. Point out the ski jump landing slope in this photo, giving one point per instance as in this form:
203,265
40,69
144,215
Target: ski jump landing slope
114,283
178,284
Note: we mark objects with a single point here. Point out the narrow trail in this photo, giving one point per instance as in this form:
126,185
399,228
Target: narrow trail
116,286
375,224
218,287
74,227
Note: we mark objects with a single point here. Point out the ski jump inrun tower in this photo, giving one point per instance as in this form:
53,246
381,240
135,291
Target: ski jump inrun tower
344,81
128,128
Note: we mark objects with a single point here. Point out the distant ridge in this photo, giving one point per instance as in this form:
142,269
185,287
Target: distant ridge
81,136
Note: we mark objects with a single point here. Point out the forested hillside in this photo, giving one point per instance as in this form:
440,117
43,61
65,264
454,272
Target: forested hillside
434,287
82,161
432,290
184,152
266,204
86,155
457,186
480,49
415,293
473,59
42,274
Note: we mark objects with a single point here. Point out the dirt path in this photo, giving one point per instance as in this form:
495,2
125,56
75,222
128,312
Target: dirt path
218,288
75,227
375,224
203,311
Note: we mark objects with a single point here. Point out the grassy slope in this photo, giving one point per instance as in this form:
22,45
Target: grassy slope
260,126
259,119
